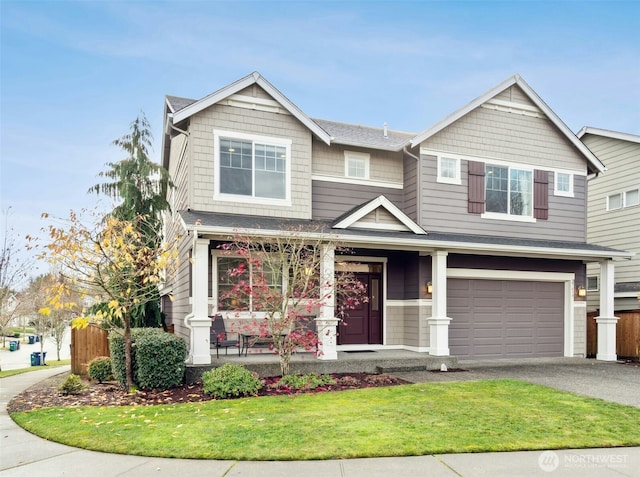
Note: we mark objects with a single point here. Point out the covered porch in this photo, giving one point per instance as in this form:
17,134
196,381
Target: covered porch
371,361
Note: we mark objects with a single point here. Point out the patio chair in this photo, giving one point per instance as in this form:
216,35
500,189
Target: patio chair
219,337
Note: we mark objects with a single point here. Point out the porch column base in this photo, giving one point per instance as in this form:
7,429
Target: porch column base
606,338
327,332
200,340
439,336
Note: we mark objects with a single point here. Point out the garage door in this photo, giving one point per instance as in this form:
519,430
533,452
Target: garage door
505,319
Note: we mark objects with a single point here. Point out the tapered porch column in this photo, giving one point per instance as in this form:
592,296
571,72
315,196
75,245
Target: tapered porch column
606,321
327,323
198,320
439,322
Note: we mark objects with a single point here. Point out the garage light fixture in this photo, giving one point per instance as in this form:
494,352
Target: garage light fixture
581,291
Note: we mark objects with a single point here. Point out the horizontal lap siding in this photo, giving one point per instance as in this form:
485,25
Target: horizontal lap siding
445,209
332,199
411,187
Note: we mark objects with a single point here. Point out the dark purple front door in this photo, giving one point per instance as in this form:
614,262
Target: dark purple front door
363,325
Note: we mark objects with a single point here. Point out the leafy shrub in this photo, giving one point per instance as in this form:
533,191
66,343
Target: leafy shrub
100,369
380,379
71,385
230,380
304,382
157,358
16,335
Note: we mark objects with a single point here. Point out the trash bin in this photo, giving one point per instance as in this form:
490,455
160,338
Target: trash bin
44,357
35,359
12,346
37,339
32,339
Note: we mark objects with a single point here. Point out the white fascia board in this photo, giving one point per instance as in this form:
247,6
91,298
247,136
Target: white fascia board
417,244
380,201
233,88
610,134
533,96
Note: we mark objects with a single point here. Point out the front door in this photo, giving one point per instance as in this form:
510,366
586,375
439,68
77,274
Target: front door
363,324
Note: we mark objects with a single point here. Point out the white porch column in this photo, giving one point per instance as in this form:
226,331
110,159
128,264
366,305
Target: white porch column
327,323
198,321
439,322
606,321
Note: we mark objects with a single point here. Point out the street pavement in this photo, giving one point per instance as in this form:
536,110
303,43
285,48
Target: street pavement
21,358
23,454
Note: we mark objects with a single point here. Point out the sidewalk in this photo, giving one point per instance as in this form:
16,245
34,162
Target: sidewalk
23,454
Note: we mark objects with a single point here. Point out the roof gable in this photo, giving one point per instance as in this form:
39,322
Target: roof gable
368,216
609,134
236,87
492,98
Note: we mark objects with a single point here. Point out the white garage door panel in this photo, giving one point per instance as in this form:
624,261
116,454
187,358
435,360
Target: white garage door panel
501,318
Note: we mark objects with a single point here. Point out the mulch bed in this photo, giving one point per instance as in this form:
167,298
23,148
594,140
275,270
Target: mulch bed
46,394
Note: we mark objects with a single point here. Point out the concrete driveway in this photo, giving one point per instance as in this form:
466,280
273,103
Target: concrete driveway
611,381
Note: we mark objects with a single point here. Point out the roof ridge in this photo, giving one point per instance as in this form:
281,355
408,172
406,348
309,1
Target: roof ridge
409,133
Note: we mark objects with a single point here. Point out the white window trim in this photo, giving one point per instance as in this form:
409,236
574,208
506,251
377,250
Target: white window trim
244,199
624,201
357,155
449,180
562,193
621,194
597,288
507,216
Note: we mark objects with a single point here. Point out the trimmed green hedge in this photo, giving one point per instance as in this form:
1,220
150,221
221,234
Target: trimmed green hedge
157,356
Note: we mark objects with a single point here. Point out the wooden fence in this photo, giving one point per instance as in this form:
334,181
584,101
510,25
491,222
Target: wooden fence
627,334
86,344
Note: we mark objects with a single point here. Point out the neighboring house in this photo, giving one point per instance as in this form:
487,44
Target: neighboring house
486,210
613,213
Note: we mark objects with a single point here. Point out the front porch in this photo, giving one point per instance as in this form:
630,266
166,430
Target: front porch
378,361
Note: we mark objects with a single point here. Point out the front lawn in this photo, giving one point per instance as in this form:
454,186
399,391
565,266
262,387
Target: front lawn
418,419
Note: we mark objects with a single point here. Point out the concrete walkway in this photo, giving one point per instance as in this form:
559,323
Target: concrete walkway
23,454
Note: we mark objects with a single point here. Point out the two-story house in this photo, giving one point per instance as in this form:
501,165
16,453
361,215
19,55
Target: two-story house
614,205
470,235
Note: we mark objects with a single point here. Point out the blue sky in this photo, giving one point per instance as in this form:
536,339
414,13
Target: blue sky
75,74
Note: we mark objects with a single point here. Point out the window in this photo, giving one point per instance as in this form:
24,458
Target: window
251,167
614,201
509,191
230,273
564,184
449,170
592,283
632,197
356,165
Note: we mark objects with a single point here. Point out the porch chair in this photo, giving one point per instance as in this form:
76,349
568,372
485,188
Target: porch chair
218,337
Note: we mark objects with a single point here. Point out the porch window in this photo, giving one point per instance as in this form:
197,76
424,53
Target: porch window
509,191
251,167
592,283
227,269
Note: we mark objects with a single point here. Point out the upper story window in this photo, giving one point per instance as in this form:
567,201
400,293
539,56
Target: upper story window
356,165
449,170
509,191
619,200
252,168
563,184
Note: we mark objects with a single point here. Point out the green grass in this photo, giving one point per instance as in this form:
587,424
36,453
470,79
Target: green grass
420,419
50,364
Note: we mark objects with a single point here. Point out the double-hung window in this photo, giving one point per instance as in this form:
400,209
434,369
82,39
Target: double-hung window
356,165
563,184
509,190
251,167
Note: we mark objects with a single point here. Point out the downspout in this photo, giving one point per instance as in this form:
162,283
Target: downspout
406,151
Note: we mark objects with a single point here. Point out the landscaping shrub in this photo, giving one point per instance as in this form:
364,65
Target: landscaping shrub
230,380
100,369
71,385
304,381
157,358
348,381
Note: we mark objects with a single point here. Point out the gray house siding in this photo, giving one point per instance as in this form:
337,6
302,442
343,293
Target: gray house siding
444,208
332,199
260,123
411,187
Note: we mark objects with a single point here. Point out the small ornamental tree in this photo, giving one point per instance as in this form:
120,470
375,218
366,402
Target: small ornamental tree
113,260
276,281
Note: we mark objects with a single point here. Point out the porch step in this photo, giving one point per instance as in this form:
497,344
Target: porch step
400,369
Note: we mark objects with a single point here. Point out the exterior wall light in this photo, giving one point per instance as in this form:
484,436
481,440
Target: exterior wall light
428,288
582,291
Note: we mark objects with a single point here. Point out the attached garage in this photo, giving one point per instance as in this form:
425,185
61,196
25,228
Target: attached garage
505,318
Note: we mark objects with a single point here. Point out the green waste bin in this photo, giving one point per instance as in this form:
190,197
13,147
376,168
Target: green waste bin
12,346
35,359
